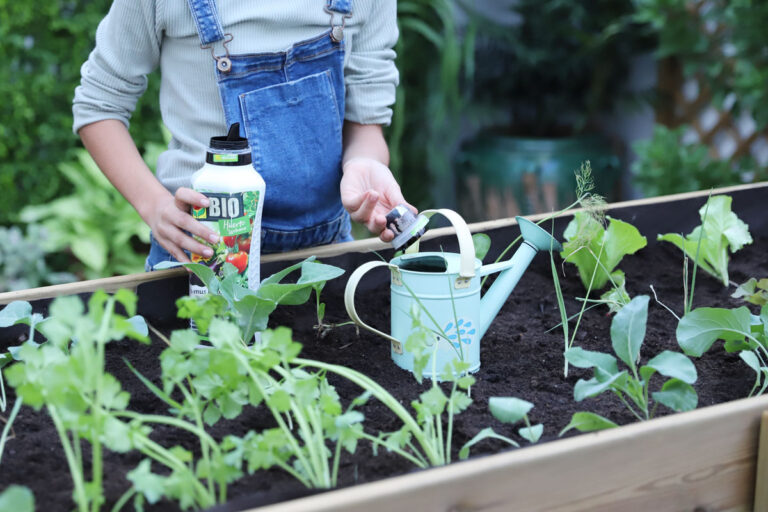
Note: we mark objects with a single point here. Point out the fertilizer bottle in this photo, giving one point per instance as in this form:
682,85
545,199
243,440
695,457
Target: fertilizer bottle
236,194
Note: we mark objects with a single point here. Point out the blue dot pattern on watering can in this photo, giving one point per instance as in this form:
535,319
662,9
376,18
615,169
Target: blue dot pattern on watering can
463,329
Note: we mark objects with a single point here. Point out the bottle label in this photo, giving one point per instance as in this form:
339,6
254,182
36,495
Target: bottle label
232,217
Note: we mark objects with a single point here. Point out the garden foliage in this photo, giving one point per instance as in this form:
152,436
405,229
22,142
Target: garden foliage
43,47
721,232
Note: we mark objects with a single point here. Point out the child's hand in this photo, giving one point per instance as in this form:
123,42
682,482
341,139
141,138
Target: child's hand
171,222
369,192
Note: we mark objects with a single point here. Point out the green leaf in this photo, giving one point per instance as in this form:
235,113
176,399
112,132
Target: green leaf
434,400
152,486
593,387
677,395
531,434
17,498
15,312
482,243
700,328
280,400
116,435
486,433
184,340
675,365
458,402
92,250
587,240
581,358
587,422
628,330
211,414
508,409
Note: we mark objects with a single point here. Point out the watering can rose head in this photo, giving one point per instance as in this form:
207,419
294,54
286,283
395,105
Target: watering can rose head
443,290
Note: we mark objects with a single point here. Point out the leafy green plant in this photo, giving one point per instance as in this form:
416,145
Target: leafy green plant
510,410
228,298
753,291
627,335
25,262
40,58
719,233
595,250
95,223
67,376
666,164
741,331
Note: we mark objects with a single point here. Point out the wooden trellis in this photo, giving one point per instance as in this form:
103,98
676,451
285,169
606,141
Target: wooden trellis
688,101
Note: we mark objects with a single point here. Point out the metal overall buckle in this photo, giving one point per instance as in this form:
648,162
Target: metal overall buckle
337,31
223,64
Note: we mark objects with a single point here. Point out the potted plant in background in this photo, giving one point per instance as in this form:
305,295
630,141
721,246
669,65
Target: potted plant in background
551,72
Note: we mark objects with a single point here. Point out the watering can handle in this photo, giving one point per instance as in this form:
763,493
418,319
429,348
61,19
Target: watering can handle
466,245
349,296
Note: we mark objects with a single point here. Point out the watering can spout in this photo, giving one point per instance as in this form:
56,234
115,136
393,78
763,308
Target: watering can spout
534,239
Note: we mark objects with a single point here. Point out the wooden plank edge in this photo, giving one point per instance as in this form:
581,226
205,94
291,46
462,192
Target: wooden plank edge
325,251
761,475
378,496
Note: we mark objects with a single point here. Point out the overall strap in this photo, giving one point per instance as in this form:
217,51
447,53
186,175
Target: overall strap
340,6
207,20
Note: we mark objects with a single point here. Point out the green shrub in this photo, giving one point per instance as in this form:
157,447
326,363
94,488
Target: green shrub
24,259
43,47
96,223
666,165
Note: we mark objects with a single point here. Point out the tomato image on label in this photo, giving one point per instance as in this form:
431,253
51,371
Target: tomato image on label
239,260
230,241
244,243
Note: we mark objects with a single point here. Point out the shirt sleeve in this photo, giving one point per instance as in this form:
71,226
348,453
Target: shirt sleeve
370,75
115,75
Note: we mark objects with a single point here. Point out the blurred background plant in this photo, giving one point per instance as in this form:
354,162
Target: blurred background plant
712,95
43,46
25,259
667,165
95,224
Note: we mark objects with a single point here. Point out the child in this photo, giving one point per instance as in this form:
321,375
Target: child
309,81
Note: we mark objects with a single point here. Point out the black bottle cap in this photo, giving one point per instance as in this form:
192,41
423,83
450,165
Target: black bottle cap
230,149
232,141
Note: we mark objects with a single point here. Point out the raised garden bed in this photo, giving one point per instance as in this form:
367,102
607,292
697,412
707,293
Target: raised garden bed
705,458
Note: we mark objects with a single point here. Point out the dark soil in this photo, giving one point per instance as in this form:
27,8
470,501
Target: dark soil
519,358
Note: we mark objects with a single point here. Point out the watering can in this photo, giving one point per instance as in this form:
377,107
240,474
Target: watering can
444,290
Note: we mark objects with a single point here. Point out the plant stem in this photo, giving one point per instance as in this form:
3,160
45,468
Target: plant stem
383,396
8,423
127,495
75,470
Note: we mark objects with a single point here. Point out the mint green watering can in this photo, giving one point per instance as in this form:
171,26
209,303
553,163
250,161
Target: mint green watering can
445,287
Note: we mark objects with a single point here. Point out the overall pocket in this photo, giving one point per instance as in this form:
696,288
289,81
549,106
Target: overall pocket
294,129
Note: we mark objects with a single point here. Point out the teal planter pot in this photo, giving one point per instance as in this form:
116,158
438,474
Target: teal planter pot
532,175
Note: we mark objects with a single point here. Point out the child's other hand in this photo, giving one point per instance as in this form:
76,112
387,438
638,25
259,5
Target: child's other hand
171,222
369,192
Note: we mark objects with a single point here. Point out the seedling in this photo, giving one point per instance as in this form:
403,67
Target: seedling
510,410
249,308
721,232
596,251
633,387
753,291
741,331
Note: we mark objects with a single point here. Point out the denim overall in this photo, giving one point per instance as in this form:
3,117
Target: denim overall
291,106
